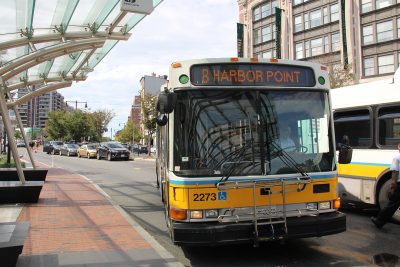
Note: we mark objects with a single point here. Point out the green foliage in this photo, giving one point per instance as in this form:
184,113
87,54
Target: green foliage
130,132
4,164
149,115
77,125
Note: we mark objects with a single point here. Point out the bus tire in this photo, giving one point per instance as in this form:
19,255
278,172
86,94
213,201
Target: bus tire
168,222
383,199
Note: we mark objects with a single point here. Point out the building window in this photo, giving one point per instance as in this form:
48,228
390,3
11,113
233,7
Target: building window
268,53
369,66
306,21
367,34
299,50
385,64
326,44
298,23
366,6
382,3
384,31
398,56
256,14
257,36
326,15
296,2
315,18
266,34
273,5
398,27
316,47
274,31
334,12
307,45
335,41
265,10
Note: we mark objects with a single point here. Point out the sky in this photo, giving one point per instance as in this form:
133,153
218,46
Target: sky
175,30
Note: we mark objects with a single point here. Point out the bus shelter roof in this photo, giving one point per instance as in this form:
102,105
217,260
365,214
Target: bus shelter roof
44,42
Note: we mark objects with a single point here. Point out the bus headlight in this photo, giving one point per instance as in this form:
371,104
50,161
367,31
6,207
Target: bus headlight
324,205
196,214
211,213
311,206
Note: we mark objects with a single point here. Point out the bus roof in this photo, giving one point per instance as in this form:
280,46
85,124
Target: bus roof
372,93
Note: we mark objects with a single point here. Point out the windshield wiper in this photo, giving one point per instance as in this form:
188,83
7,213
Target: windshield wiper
288,160
237,160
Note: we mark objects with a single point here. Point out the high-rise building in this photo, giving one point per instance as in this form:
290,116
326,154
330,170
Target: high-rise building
35,112
362,33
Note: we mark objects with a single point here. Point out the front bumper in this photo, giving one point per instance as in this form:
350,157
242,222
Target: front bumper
198,234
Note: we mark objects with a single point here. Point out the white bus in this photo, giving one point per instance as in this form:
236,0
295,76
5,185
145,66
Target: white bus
367,117
226,170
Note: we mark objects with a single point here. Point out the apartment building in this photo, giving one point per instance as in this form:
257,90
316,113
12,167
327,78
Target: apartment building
362,33
34,113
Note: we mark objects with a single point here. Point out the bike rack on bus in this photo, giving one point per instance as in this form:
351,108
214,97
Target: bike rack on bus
301,183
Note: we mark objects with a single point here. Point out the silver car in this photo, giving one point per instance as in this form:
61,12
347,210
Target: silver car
69,150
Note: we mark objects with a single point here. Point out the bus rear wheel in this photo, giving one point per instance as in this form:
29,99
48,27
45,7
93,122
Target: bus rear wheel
383,199
168,222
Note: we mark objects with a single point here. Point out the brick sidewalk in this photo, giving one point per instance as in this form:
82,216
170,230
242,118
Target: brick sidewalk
73,224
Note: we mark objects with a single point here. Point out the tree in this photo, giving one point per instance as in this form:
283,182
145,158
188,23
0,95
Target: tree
56,127
130,133
99,121
149,116
340,75
77,125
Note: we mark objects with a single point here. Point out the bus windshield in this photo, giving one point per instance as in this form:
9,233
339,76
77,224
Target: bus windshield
252,132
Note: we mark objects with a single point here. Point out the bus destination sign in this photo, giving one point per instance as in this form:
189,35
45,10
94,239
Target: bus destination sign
252,75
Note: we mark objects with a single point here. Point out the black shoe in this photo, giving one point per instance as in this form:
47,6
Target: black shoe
376,222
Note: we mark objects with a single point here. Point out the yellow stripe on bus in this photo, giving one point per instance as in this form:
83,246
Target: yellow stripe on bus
368,171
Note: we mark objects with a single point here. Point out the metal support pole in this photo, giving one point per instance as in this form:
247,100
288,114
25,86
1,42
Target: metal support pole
21,128
10,134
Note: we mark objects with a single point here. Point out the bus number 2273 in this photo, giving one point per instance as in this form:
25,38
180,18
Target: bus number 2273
205,197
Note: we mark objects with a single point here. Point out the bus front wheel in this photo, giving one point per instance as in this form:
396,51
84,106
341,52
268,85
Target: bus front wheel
383,199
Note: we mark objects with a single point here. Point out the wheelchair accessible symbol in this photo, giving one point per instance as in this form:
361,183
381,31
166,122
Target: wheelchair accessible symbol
222,196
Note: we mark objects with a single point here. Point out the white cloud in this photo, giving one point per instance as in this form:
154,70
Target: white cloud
176,30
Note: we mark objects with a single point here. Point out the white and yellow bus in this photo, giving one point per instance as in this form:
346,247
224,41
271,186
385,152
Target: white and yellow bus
367,116
225,171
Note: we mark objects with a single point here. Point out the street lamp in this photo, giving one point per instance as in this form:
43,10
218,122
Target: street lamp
76,103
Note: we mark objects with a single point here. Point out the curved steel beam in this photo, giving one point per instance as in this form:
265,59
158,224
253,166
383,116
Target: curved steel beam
62,37
45,54
16,86
39,92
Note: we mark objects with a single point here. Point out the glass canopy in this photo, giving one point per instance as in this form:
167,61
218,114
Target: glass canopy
45,42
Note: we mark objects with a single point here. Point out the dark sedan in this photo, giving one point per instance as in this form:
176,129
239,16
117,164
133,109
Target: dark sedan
112,150
55,147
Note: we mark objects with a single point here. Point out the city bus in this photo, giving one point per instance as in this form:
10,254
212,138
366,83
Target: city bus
367,117
225,170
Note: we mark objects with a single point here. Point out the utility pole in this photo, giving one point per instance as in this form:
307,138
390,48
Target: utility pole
76,103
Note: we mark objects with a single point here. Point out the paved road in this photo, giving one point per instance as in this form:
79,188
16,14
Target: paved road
131,185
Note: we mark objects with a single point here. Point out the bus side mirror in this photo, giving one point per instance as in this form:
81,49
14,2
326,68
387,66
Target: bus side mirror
162,120
166,102
345,153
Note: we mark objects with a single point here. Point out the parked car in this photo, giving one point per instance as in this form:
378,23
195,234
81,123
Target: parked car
143,149
46,147
21,144
69,150
87,150
55,147
112,150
